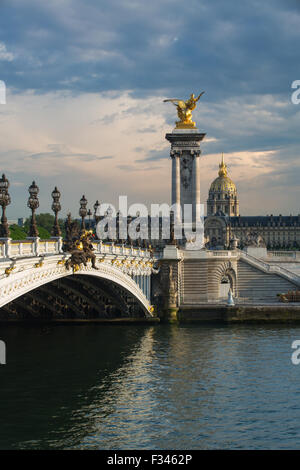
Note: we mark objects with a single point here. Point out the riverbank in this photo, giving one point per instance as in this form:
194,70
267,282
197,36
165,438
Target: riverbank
81,321
273,313
212,313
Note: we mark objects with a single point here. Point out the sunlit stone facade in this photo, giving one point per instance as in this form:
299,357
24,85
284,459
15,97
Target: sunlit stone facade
222,195
224,222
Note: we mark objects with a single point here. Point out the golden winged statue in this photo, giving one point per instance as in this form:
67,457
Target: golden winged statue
184,111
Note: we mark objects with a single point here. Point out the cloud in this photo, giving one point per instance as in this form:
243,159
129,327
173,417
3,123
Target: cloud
134,168
57,145
225,48
62,152
154,155
4,54
147,130
85,85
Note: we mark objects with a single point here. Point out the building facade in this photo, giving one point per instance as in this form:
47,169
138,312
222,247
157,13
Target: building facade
224,224
222,196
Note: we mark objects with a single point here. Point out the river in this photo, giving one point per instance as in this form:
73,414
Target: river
149,387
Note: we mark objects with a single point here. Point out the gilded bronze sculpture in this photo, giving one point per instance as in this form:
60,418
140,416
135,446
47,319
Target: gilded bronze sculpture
80,246
184,111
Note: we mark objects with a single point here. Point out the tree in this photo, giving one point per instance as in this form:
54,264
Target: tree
45,223
17,233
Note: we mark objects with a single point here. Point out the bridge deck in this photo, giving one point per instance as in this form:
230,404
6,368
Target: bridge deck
27,265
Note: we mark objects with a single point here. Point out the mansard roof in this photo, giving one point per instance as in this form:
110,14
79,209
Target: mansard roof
265,221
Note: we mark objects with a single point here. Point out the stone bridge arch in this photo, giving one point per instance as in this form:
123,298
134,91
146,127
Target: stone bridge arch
19,283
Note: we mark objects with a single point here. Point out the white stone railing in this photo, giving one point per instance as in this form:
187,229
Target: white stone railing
36,247
269,268
284,254
105,248
222,253
29,247
197,254
290,254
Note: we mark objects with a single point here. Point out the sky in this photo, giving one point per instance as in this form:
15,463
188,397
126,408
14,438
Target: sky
85,82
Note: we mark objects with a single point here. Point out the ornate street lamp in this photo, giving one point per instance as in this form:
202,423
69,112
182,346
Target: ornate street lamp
33,204
118,217
83,211
129,240
96,215
172,229
56,207
89,213
4,202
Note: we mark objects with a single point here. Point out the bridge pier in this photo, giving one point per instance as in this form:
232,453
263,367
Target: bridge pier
168,299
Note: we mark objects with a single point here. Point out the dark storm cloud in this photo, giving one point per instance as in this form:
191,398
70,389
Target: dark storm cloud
251,123
227,48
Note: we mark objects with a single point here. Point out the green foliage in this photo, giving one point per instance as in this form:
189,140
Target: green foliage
42,220
43,233
45,223
17,233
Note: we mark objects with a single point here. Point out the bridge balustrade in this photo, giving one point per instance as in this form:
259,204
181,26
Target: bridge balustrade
222,253
282,254
37,247
30,247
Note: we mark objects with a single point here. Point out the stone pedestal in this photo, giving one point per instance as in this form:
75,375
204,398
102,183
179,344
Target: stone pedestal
171,252
168,282
59,241
6,246
36,242
257,252
185,153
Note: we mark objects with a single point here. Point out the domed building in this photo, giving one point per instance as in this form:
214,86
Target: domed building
222,197
223,222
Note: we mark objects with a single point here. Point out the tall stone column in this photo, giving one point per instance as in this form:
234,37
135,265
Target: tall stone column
175,178
176,199
185,153
177,158
173,199
196,187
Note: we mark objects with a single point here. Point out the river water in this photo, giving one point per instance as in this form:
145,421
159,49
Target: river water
149,387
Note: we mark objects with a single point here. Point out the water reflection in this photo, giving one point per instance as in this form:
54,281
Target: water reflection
51,375
157,387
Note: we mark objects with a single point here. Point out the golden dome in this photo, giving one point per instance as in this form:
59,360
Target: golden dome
223,182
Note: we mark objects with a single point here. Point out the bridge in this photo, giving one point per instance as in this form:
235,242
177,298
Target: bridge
27,266
132,282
